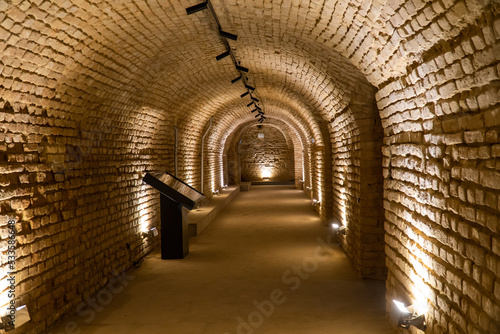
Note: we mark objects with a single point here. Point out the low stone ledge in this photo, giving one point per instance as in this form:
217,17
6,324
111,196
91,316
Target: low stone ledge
200,218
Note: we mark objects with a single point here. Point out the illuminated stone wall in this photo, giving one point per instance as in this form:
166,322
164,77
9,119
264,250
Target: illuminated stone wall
90,92
74,187
271,156
442,178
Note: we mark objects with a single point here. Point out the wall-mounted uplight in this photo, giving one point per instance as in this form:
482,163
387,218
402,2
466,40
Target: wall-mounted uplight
315,202
409,316
225,186
16,318
216,193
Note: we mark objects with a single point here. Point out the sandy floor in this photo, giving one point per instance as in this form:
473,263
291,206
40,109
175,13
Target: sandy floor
263,266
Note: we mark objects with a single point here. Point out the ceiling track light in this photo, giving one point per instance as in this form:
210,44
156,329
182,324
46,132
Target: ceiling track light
225,37
228,35
196,8
236,80
223,55
241,68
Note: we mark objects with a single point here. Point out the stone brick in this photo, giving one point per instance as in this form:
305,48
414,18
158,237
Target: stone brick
430,68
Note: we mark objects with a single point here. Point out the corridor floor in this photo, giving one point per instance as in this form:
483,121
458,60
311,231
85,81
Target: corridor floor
263,266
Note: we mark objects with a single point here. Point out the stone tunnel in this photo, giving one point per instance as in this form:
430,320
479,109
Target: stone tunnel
385,112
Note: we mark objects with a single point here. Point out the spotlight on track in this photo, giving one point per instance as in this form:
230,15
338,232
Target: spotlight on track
249,87
236,79
228,35
241,68
223,55
248,105
255,110
196,8
245,94
254,99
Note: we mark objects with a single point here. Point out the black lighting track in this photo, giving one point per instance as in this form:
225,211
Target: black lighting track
225,36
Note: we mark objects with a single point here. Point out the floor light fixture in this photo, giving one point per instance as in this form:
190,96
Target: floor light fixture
408,316
338,229
21,315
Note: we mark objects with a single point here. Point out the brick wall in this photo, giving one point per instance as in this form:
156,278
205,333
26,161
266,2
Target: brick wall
76,193
90,92
272,154
441,122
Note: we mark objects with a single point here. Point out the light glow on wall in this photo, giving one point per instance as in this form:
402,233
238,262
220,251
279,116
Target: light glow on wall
420,261
343,199
221,161
320,180
144,214
4,284
266,172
